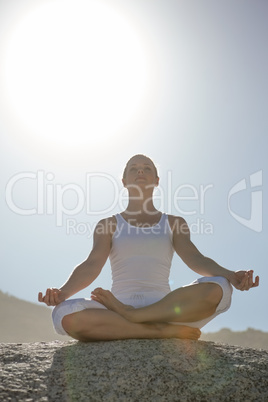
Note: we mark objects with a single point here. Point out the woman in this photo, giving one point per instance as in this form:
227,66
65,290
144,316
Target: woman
140,243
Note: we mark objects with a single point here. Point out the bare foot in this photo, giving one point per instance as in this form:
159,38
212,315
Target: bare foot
167,330
106,298
181,332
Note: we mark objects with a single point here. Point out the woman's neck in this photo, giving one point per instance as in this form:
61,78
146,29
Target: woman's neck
145,208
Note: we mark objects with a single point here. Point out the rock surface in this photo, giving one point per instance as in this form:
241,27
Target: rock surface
132,370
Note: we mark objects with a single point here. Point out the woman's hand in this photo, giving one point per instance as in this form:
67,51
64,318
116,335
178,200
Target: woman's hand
243,280
52,297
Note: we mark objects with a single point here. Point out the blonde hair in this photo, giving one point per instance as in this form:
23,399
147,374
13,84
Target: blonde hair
144,156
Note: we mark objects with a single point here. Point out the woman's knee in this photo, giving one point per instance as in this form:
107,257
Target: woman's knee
216,293
68,323
80,325
213,293
72,323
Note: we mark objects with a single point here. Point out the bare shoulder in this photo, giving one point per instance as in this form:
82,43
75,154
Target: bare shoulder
178,225
106,226
102,240
103,233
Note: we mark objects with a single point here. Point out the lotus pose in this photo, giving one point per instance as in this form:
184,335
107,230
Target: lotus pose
140,243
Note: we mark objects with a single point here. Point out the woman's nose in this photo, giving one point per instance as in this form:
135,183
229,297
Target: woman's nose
140,170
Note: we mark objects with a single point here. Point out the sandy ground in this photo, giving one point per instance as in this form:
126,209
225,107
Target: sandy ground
132,370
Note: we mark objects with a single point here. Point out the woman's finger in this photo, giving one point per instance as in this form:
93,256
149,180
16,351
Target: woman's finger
244,282
250,279
56,297
249,282
257,281
46,297
51,297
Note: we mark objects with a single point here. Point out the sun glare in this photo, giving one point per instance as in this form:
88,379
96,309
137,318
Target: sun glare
74,72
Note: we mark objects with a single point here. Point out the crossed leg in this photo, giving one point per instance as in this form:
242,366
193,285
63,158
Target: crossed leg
187,304
97,324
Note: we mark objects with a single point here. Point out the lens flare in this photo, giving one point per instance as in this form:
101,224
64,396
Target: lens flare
177,310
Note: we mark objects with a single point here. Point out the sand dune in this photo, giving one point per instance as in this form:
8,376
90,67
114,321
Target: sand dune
22,321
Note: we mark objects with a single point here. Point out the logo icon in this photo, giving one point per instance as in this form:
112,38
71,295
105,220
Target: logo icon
255,220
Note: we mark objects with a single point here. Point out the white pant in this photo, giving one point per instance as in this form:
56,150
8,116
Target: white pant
140,299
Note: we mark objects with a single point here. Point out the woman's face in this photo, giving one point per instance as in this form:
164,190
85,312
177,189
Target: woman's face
141,172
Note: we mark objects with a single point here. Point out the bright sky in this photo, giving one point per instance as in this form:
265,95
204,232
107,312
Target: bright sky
84,85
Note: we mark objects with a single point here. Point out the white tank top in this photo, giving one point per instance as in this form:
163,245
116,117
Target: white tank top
141,258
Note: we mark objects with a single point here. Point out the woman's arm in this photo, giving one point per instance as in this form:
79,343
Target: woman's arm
84,274
242,280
